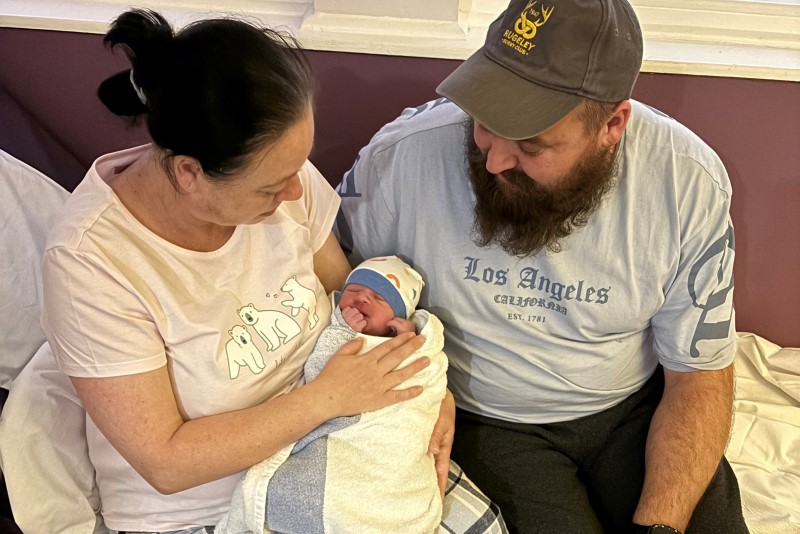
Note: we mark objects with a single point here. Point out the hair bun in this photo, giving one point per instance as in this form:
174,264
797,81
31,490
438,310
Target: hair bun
119,96
147,38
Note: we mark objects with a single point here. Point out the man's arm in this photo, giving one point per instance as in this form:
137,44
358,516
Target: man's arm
687,438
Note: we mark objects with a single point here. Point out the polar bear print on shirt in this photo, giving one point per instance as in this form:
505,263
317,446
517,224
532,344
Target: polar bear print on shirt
302,297
273,326
241,352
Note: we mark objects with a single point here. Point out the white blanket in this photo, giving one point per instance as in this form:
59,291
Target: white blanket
366,473
764,449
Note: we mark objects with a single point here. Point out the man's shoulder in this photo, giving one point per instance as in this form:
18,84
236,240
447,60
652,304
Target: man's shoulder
649,124
662,137
652,126
418,126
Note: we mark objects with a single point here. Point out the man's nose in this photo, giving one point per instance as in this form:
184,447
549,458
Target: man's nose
501,156
501,153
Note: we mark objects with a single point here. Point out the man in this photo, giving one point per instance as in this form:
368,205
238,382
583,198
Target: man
579,250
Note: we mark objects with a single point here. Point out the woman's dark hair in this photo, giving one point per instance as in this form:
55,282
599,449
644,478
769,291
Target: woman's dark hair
217,90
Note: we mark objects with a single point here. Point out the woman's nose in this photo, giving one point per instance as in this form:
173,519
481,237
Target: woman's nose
293,190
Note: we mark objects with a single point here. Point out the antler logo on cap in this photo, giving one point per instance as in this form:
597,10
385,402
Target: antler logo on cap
526,26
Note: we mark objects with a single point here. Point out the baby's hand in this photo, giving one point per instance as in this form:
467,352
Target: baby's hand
354,319
398,326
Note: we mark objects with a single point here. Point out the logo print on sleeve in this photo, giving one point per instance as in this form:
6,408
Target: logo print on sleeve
345,233
274,327
347,187
302,298
241,352
719,253
425,107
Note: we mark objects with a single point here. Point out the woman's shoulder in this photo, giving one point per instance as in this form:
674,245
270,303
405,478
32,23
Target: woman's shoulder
93,206
84,209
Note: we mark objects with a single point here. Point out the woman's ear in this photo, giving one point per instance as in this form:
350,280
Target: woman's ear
615,126
188,173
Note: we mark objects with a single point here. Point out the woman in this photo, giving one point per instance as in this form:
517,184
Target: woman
165,296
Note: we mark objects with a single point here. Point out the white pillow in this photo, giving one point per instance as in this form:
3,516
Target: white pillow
29,201
43,453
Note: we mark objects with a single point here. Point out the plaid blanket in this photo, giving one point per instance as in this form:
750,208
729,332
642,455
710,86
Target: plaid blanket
466,509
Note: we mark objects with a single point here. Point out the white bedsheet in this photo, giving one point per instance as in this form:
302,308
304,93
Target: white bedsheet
764,448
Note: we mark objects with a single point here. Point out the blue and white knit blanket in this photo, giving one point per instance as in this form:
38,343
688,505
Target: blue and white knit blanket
366,473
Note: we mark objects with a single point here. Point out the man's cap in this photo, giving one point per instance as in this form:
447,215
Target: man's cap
542,58
393,279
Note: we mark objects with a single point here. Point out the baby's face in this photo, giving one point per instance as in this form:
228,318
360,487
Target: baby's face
376,311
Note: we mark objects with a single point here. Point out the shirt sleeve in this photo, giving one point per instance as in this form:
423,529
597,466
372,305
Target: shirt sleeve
695,327
320,203
96,325
367,225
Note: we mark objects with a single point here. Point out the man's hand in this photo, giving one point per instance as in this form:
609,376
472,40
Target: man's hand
442,439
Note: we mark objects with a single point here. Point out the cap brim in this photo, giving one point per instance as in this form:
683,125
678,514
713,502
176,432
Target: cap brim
502,102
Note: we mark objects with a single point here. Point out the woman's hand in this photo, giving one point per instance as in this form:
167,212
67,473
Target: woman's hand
350,384
442,439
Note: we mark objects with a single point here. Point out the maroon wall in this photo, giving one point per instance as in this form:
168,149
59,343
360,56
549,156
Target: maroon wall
754,125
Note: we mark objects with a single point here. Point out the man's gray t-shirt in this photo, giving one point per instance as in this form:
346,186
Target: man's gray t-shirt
554,337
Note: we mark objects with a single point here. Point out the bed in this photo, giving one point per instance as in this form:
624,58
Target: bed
764,448
40,443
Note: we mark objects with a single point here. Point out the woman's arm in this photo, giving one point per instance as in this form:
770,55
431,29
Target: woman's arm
139,415
330,264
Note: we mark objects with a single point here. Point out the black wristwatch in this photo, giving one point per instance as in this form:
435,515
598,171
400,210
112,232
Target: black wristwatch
654,529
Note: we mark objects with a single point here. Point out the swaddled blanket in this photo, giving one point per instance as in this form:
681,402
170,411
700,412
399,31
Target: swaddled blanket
366,473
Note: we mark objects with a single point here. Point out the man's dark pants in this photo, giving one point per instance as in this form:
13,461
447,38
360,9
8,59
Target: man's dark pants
581,476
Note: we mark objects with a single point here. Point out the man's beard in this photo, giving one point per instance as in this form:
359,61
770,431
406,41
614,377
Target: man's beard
522,216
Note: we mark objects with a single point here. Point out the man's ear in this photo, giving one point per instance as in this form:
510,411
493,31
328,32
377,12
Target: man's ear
188,173
615,126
